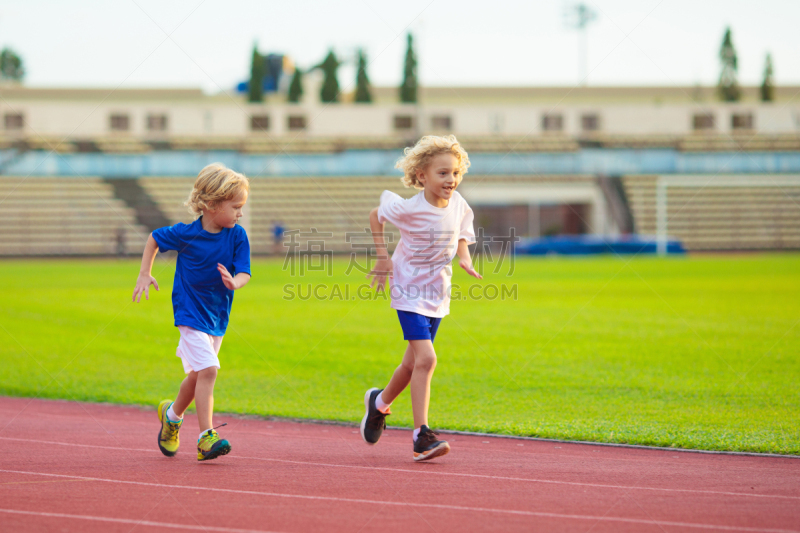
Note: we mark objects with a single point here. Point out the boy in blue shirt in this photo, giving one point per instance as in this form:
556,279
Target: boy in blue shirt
213,261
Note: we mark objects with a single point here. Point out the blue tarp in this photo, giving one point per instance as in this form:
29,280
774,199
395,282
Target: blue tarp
593,244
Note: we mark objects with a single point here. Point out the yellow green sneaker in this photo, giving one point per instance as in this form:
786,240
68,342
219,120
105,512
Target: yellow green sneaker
168,441
210,446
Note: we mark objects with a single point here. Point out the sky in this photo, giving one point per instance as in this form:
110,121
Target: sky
208,43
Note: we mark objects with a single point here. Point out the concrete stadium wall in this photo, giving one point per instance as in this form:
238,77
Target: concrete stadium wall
89,119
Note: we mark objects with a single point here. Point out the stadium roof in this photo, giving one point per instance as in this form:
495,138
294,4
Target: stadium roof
577,95
565,95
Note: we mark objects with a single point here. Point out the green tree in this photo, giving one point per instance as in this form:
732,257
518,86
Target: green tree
330,84
257,70
728,87
768,85
408,89
296,87
362,81
11,67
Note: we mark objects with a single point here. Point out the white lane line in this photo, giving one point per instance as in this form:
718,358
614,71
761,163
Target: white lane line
373,503
131,521
457,474
530,480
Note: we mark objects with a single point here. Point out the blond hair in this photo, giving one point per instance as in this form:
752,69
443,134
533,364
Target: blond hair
214,184
418,157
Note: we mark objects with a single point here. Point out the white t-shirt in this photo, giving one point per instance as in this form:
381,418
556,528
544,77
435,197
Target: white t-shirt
428,242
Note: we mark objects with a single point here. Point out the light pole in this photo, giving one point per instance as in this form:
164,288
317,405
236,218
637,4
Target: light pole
578,17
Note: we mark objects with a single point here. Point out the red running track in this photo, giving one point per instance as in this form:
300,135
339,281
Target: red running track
69,466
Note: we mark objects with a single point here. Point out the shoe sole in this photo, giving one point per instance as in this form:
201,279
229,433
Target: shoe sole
222,450
442,449
366,414
162,407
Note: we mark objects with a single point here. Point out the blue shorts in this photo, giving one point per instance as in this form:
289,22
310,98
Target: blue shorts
418,327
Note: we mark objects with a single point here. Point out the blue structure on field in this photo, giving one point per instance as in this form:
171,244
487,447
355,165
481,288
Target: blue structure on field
592,245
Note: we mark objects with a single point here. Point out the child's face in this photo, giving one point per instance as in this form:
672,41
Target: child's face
441,176
228,213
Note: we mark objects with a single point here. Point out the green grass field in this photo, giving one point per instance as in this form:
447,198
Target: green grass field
697,352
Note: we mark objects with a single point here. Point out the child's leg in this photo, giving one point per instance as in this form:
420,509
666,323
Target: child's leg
400,378
424,365
186,394
204,396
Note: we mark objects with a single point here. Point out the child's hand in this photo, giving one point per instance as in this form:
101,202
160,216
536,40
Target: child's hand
467,265
227,279
383,269
143,283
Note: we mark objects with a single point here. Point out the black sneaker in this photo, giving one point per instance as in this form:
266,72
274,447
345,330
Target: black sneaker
427,446
374,422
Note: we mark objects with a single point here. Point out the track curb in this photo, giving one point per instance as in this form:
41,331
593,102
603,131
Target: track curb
513,437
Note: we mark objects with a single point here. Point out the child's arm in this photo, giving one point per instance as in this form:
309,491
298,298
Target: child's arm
465,260
233,282
145,278
383,266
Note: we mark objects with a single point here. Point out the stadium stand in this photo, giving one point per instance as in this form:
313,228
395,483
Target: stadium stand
302,145
121,145
548,143
65,216
522,144
741,218
739,142
90,216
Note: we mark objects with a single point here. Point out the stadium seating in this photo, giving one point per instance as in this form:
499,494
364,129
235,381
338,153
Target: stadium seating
739,142
521,144
81,216
65,216
548,143
720,218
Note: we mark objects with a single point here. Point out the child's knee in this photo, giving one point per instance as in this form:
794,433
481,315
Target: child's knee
425,362
208,374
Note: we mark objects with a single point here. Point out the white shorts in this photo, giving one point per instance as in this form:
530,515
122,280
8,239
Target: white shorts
198,350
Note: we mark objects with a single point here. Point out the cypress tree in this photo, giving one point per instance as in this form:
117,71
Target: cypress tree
362,81
257,70
728,87
768,85
296,87
408,89
330,84
11,65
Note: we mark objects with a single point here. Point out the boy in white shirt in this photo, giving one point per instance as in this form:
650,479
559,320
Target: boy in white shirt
433,225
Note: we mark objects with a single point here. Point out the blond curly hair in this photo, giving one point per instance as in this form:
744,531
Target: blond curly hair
216,183
418,157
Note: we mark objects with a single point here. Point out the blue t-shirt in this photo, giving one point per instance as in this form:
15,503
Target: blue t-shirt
199,298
